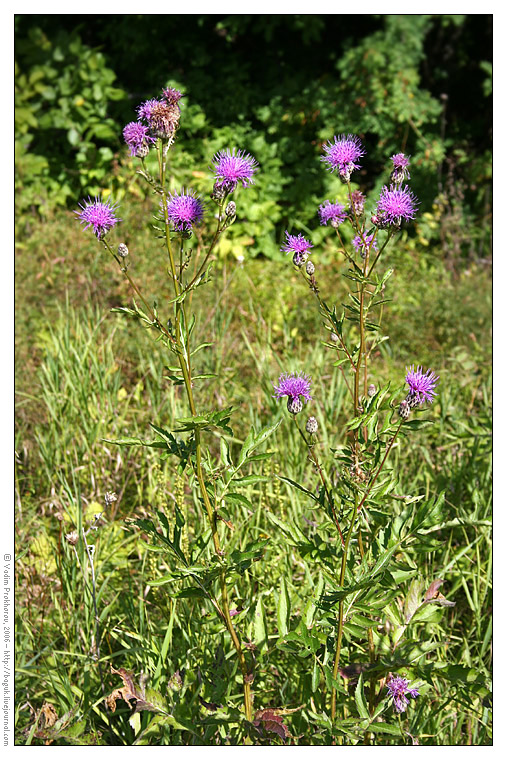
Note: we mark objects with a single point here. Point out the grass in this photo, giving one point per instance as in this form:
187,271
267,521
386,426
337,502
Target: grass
89,375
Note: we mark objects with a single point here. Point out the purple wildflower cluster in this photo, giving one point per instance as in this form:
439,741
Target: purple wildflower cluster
101,215
157,117
295,387
398,689
184,210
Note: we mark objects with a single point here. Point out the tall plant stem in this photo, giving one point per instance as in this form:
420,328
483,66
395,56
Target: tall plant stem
184,362
328,493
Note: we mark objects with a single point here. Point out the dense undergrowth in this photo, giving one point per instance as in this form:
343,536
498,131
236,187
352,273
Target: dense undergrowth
88,376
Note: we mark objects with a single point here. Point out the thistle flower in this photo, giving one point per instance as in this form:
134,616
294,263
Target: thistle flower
421,386
162,117
299,246
400,168
233,167
99,215
185,210
171,96
364,244
295,387
357,200
137,137
334,213
398,689
342,155
396,204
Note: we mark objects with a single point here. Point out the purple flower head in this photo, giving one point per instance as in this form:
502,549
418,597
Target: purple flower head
357,202
364,244
231,167
137,137
161,116
294,386
342,154
396,204
400,168
296,244
334,213
99,215
185,210
398,690
421,386
171,96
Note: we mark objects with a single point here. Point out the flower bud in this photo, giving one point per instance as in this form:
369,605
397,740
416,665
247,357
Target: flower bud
371,390
312,425
230,209
294,404
334,337
123,251
310,268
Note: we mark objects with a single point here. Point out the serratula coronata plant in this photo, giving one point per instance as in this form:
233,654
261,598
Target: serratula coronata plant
205,566
362,637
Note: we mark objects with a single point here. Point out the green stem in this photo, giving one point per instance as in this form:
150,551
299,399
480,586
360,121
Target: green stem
184,361
328,493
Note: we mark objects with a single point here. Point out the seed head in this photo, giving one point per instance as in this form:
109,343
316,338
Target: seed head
72,538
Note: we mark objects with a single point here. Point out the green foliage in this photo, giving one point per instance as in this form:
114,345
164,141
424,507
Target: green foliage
324,75
64,133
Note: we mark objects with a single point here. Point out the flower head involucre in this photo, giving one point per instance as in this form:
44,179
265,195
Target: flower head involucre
136,136
395,205
342,155
421,386
293,385
398,689
334,213
99,215
234,166
185,210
